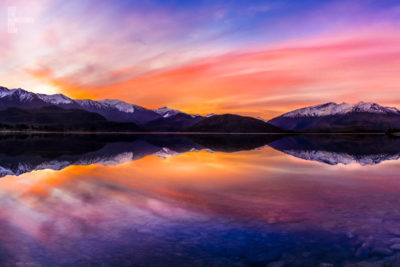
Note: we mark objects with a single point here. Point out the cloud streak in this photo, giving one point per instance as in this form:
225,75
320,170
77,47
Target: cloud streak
221,57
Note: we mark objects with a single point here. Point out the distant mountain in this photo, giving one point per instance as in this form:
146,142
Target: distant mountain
172,120
111,109
332,117
173,123
166,112
55,118
332,108
233,124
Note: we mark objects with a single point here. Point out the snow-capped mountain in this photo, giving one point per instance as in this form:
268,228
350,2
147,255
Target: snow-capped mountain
19,98
332,108
172,120
329,117
166,112
111,109
162,119
344,117
120,105
117,110
55,99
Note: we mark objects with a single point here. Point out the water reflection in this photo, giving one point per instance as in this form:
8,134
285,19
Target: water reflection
251,207
20,154
341,149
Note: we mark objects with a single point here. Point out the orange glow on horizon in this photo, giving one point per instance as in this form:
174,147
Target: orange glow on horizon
263,83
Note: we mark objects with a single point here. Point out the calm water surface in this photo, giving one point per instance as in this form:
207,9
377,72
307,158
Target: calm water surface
199,201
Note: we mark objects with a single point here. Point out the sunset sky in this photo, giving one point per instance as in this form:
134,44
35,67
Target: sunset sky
258,58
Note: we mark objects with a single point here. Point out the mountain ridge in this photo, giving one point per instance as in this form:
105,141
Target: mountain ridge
328,117
233,124
53,118
332,108
112,109
331,117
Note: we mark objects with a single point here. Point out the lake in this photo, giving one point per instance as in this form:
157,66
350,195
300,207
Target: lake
199,200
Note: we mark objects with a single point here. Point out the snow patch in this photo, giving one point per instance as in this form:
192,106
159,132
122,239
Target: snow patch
166,112
120,105
55,99
343,108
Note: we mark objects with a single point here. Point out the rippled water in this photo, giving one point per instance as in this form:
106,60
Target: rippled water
175,200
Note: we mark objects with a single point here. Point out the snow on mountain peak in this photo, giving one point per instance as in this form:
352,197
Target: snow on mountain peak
55,99
4,92
332,108
111,109
120,105
21,94
25,96
373,108
166,112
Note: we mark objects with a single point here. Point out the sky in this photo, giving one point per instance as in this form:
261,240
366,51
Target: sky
257,58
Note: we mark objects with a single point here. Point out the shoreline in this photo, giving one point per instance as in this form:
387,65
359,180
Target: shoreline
189,133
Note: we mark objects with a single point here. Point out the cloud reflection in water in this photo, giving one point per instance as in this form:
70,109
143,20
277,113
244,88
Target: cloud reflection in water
252,207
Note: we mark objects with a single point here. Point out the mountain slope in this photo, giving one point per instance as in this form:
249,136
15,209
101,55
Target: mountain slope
229,123
173,123
166,112
111,109
332,117
55,118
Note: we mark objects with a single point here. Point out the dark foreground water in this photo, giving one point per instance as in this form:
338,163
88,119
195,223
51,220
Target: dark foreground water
199,200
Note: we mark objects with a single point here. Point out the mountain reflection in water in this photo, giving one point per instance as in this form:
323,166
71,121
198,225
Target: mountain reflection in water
21,153
344,149
252,206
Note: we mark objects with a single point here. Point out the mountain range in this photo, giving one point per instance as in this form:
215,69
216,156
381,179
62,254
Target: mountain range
332,117
109,112
21,109
53,118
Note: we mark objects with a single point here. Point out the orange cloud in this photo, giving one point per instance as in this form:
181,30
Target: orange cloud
266,82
